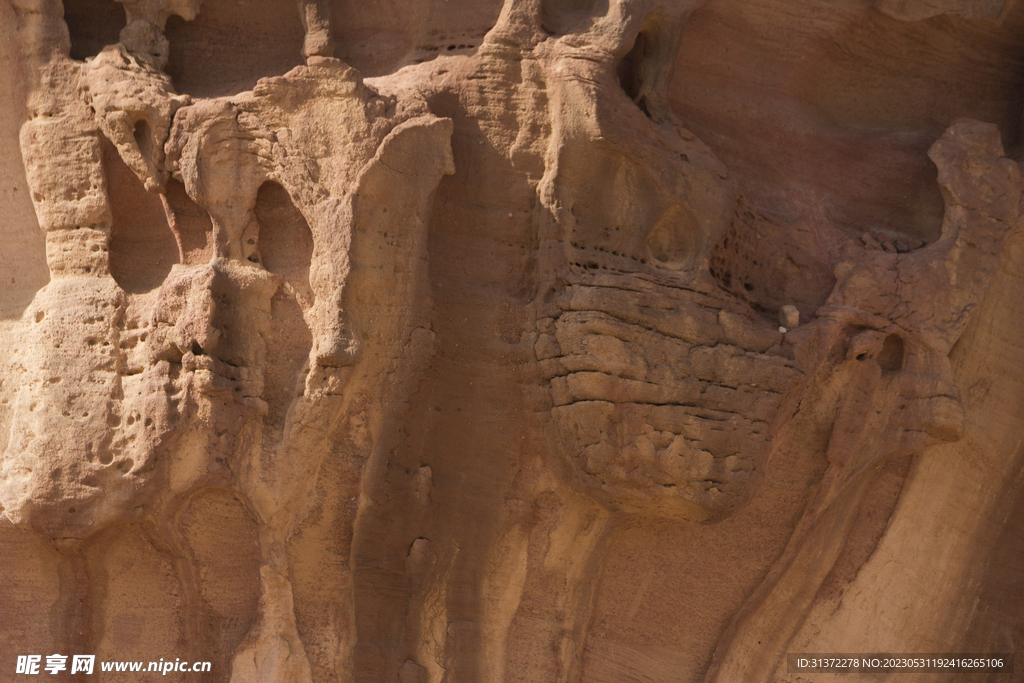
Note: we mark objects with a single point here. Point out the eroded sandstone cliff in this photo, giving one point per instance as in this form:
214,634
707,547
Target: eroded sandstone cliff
541,340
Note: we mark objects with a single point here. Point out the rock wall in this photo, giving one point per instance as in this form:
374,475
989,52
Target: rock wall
581,341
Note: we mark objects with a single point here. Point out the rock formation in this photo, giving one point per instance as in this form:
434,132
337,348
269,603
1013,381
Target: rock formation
544,340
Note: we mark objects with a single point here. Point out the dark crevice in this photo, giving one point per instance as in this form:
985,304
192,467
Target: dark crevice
891,355
630,73
92,25
144,138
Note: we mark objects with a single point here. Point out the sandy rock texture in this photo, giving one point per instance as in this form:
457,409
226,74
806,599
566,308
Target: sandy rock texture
568,341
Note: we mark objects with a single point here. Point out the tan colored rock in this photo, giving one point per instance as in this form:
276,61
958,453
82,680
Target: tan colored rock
472,370
916,10
789,316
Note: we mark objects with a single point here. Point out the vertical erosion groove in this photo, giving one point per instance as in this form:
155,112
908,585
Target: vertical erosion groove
142,247
285,248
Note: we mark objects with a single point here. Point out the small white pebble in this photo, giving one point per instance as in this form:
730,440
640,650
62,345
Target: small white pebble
782,329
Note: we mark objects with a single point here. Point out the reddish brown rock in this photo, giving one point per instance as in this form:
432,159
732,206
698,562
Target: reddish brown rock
537,341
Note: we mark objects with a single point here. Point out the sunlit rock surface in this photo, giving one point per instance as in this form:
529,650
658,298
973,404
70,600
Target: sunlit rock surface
570,341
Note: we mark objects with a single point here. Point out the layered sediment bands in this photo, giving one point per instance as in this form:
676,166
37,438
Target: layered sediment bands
571,341
228,46
382,37
844,100
664,410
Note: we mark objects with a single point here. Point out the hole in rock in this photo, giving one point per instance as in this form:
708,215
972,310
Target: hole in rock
630,72
285,240
92,25
142,247
144,138
675,241
891,355
230,45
